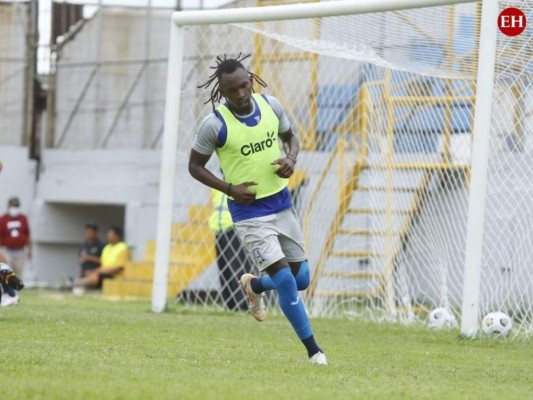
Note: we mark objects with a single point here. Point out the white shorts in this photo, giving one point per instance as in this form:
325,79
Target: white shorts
273,237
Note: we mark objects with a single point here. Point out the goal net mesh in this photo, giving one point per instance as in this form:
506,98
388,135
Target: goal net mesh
383,105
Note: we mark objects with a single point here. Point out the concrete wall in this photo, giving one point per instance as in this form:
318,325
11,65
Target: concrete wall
17,177
133,51
119,187
58,234
109,187
12,42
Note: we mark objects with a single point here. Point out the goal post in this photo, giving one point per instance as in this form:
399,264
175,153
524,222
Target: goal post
174,76
168,167
478,181
414,118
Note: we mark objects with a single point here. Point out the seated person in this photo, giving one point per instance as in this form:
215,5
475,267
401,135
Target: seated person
113,260
91,251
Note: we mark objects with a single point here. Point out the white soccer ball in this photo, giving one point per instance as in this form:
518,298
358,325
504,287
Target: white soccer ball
497,324
442,318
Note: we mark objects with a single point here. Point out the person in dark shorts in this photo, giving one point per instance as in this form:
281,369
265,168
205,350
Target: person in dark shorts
91,250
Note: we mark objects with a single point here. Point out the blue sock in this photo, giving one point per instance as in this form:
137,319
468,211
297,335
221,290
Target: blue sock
290,303
263,283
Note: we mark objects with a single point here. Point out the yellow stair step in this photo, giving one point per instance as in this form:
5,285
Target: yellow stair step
363,232
139,271
296,179
179,279
184,252
380,211
144,271
356,254
386,189
353,275
199,213
338,293
189,232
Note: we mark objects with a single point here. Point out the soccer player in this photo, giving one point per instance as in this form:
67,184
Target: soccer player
244,132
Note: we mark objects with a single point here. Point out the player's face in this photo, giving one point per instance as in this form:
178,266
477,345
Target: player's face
90,234
237,89
112,236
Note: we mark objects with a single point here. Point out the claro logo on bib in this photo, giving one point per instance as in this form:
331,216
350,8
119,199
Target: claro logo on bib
257,147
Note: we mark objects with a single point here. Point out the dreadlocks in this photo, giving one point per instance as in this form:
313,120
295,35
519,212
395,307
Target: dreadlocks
226,66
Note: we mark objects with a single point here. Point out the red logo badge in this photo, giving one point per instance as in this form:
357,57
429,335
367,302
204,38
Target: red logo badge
512,21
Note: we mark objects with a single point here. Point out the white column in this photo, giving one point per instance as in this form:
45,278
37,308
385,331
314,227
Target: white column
168,167
480,158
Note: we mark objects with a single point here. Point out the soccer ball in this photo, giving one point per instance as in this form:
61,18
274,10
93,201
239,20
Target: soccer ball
497,324
442,318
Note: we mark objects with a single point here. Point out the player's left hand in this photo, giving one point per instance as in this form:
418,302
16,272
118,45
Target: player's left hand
286,167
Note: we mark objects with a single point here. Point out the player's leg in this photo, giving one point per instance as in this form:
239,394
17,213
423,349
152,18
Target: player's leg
293,246
293,308
17,259
261,239
90,279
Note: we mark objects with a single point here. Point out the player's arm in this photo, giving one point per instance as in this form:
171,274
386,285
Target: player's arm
198,171
292,146
87,257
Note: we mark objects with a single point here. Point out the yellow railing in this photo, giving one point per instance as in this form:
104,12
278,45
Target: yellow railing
308,210
376,122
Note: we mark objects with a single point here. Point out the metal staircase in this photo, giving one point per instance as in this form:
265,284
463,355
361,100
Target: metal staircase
370,228
378,204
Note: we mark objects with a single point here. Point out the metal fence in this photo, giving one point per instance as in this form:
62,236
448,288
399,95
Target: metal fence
107,81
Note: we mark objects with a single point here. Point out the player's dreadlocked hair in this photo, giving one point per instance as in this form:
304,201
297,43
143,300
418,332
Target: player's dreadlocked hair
226,66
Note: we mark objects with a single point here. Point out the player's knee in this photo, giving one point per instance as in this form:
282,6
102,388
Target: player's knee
303,277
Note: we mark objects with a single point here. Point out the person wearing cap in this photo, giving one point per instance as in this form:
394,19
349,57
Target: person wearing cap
91,250
15,236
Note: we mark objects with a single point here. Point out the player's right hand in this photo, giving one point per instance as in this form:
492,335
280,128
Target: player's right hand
242,194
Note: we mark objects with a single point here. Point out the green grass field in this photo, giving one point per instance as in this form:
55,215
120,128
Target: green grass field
55,346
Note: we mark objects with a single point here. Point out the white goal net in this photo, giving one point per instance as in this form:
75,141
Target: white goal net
383,104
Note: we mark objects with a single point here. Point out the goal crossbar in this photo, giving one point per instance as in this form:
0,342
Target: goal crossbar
301,11
180,20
